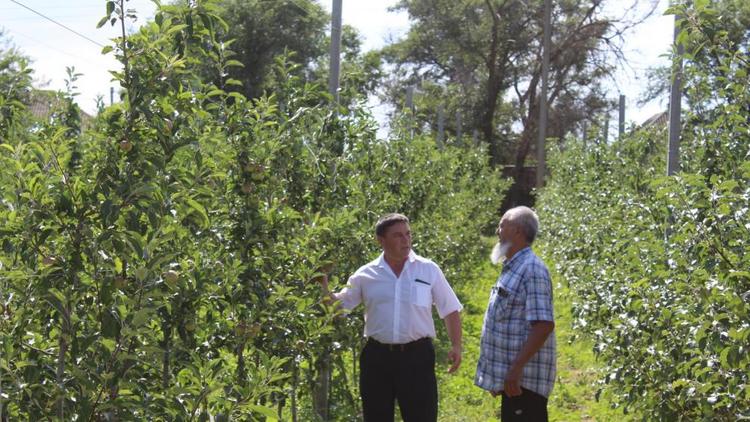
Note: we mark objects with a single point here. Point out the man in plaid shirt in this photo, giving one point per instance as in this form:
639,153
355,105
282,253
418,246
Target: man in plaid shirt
517,353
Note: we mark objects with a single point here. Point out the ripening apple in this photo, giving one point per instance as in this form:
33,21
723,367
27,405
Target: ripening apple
126,145
240,330
121,282
247,187
49,260
258,171
171,277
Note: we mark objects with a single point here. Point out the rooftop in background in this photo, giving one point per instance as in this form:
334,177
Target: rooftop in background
44,102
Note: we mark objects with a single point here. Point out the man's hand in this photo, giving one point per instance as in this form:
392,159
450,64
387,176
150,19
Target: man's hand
323,281
453,326
512,385
455,358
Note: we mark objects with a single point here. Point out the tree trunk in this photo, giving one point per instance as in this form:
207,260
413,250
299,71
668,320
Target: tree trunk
62,351
320,389
167,329
494,86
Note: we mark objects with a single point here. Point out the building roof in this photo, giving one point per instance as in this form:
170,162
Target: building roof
42,103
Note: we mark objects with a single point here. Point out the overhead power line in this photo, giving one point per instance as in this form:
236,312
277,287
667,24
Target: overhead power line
58,23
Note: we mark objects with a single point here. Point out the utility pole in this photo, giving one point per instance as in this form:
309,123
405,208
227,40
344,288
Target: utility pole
540,161
621,129
675,104
333,81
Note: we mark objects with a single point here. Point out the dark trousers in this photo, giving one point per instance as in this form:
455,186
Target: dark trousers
404,373
528,407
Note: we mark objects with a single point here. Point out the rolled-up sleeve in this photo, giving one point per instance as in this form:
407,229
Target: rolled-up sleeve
444,298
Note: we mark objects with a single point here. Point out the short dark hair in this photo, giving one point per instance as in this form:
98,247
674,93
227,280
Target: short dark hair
387,221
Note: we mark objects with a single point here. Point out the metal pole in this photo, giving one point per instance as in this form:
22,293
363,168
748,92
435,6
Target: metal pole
410,107
541,165
675,105
622,116
410,98
459,128
440,125
585,132
333,81
606,128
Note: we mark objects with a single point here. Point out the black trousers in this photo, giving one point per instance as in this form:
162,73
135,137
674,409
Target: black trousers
528,407
404,373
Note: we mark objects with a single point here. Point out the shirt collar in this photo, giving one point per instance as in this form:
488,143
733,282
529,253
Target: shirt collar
381,259
518,257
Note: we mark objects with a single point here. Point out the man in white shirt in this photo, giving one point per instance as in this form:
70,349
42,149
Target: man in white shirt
398,290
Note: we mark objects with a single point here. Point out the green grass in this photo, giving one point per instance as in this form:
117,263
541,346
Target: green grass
573,397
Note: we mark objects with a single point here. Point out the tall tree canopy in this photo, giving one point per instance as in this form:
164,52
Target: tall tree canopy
486,56
266,29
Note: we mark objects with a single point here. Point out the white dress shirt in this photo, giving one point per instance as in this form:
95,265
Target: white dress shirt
399,309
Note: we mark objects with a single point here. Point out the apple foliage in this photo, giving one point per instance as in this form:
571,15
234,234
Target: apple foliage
659,265
160,265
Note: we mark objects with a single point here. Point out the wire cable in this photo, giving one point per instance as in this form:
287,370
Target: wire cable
58,23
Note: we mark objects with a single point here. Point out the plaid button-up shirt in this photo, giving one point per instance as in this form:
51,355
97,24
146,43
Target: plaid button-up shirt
522,294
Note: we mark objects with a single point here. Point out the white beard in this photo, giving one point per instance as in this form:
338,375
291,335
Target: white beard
499,252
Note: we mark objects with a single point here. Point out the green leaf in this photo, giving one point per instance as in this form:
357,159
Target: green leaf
109,344
265,411
8,148
198,208
102,21
141,317
234,62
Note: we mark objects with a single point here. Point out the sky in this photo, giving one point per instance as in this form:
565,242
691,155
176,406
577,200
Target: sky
53,48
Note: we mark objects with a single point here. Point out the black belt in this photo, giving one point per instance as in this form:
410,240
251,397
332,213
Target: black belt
399,347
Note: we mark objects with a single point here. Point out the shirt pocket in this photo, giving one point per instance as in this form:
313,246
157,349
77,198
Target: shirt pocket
502,304
421,294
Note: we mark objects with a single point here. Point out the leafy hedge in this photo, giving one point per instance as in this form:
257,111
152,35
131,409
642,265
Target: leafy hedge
159,265
660,265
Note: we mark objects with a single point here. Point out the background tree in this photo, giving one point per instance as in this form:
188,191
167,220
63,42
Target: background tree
488,54
264,29
730,27
15,90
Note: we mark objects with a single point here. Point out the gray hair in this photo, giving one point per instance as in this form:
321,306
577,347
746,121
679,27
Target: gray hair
387,221
526,219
